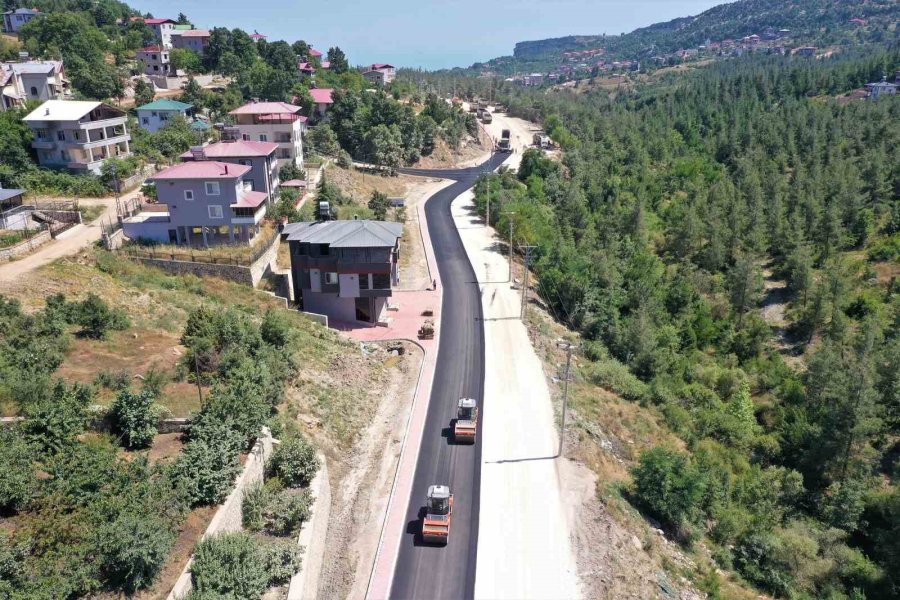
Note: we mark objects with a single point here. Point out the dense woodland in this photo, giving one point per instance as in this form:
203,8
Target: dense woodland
654,234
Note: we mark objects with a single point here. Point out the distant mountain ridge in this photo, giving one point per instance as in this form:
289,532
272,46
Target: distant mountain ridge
815,22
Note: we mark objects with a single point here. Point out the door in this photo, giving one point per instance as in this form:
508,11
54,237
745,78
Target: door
315,280
364,309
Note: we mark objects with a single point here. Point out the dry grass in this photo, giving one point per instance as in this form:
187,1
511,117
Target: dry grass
360,186
237,253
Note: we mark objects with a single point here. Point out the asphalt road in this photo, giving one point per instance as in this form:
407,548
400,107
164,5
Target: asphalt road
429,572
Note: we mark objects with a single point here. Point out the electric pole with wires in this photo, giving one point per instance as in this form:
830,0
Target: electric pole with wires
566,377
509,215
527,250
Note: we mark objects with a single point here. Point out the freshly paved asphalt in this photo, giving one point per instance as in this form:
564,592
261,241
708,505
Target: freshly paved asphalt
430,572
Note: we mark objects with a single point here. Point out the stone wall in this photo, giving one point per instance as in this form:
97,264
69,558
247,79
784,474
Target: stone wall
228,517
305,583
25,247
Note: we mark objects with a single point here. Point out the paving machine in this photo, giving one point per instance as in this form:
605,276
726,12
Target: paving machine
438,511
466,421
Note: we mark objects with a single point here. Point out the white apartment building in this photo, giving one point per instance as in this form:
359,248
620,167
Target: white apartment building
277,122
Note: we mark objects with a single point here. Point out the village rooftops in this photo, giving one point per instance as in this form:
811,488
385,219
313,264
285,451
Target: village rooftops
202,169
356,233
322,95
266,108
315,53
36,67
235,149
65,110
166,104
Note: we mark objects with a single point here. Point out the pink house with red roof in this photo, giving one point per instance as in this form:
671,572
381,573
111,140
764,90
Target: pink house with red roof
380,73
209,202
277,122
323,99
259,156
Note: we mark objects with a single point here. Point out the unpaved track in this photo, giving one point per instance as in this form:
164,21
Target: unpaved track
524,548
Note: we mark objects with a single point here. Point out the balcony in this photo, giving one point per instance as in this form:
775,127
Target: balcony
248,216
103,142
43,144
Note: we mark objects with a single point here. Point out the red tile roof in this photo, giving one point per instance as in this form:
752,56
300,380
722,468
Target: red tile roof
265,108
314,52
151,49
202,169
152,21
322,95
250,200
235,149
376,66
258,36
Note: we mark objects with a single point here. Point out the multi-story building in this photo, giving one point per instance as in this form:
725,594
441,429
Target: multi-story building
162,28
259,156
32,80
380,73
78,136
209,203
14,20
191,39
881,88
159,113
277,122
155,61
345,269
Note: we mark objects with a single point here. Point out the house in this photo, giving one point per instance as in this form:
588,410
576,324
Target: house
313,53
380,73
156,61
14,20
881,88
164,29
306,68
805,51
157,114
78,135
208,203
345,269
323,98
259,156
256,36
277,122
11,201
32,80
191,39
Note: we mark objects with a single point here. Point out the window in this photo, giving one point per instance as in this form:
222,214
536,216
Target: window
212,188
61,136
263,137
153,56
364,281
381,281
155,68
215,211
34,91
145,120
244,162
153,113
245,137
331,278
189,195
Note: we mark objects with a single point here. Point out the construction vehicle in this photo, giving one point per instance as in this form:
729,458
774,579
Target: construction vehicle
426,331
438,511
504,144
466,421
325,212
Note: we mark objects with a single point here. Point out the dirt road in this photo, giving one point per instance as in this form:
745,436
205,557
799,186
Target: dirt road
68,243
521,133
524,548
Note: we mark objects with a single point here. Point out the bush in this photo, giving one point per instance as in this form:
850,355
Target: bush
615,376
56,415
671,487
209,464
134,548
295,462
275,329
283,559
344,160
17,481
254,502
96,318
232,565
286,512
135,418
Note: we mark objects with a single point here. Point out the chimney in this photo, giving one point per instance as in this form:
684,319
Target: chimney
226,168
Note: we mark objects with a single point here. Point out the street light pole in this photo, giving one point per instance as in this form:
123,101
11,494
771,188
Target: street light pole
562,432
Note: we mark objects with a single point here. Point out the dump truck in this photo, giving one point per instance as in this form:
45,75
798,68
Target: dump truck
438,512
426,331
466,423
504,144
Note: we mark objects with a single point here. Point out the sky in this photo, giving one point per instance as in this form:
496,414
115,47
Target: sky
427,33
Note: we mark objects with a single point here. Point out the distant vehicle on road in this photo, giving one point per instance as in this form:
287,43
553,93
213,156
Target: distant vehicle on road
541,140
486,117
504,144
466,423
438,512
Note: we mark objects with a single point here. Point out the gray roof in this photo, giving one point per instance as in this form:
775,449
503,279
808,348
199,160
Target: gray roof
41,68
6,194
346,234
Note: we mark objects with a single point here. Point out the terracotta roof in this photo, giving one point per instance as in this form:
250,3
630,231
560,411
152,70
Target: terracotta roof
376,66
201,169
250,200
265,108
322,95
314,52
236,149
158,21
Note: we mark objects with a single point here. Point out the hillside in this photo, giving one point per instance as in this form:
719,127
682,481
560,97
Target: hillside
813,22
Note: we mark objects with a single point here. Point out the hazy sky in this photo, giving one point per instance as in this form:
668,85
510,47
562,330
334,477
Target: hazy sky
425,33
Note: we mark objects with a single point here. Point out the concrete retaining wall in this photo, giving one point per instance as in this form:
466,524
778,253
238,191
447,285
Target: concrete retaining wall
305,583
228,517
36,241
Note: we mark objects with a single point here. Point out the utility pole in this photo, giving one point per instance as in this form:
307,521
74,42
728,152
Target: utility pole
562,432
509,215
528,250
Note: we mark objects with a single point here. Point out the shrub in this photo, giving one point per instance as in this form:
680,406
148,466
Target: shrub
17,481
209,464
615,376
275,328
253,507
134,548
283,559
232,565
56,415
670,486
96,318
295,462
286,512
344,160
135,418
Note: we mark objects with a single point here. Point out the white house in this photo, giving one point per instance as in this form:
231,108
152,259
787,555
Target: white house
277,122
155,61
380,73
163,28
157,114
14,20
31,80
78,135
